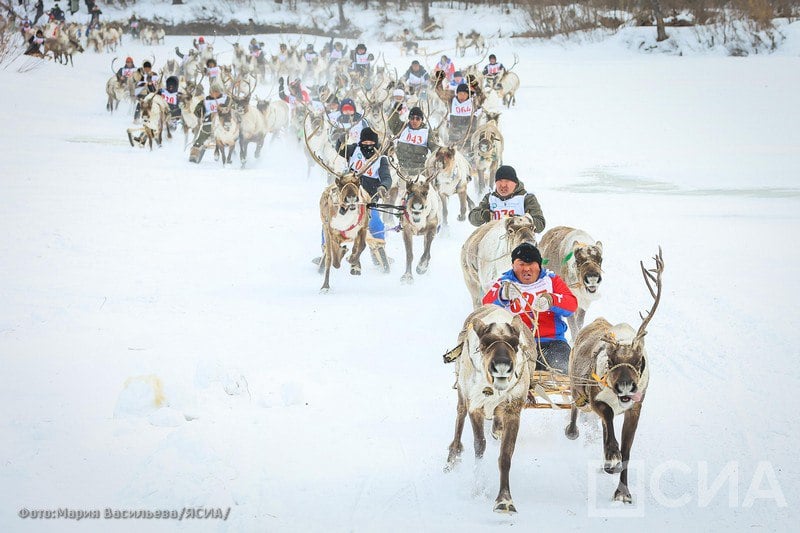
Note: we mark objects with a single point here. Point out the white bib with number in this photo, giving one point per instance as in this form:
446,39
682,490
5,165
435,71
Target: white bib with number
506,208
358,160
416,137
461,109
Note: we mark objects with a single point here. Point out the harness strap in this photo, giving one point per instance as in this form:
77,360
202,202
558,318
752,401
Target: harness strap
361,210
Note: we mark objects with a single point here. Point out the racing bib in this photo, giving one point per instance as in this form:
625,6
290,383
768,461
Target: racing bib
506,208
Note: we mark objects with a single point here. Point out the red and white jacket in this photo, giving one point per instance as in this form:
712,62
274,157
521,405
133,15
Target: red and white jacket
551,325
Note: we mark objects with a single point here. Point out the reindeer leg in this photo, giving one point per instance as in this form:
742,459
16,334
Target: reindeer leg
455,449
462,198
444,209
572,322
242,150
259,145
622,494
359,243
612,456
510,420
422,267
479,439
408,277
579,315
571,431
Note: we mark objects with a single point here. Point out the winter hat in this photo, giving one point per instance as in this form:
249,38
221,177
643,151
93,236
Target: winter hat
347,105
368,135
416,112
506,172
128,59
361,46
201,40
527,253
492,56
398,92
216,87
415,62
458,74
462,88
147,64
172,81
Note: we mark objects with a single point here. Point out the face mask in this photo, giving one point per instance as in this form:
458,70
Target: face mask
368,150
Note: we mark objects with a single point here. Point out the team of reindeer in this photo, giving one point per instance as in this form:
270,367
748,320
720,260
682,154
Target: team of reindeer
496,352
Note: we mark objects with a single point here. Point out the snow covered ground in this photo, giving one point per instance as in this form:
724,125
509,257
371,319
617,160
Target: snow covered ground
309,412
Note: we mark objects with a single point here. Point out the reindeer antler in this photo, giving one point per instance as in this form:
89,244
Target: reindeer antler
651,276
311,152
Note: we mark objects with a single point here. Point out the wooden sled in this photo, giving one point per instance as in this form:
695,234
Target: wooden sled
549,390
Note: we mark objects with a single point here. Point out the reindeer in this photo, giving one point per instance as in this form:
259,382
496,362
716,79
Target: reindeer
609,375
461,44
487,149
252,122
451,171
225,130
487,252
493,380
155,117
117,89
575,256
507,86
343,211
422,214
476,40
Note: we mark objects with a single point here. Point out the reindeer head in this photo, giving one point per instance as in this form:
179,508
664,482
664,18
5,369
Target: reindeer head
626,362
348,191
588,263
624,348
520,229
444,157
417,199
499,346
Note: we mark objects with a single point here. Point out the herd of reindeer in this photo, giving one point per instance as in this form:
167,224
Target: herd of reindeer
496,353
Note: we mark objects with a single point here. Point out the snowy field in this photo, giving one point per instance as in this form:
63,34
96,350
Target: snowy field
309,412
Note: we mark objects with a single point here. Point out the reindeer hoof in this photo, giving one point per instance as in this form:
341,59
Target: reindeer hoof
407,279
571,432
451,465
613,463
461,218
505,506
325,290
623,495
421,269
355,270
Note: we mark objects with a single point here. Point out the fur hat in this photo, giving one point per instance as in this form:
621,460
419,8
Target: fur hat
506,172
527,253
416,112
128,59
462,88
398,92
368,135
